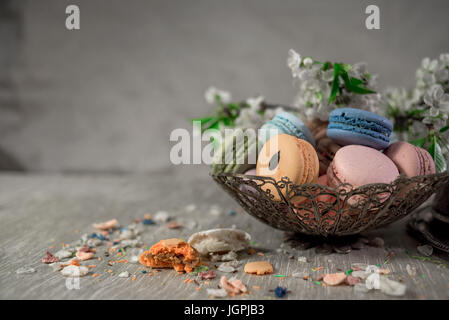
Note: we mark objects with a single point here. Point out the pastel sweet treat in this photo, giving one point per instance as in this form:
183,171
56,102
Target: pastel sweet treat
245,187
285,123
219,241
360,165
258,267
287,156
326,149
110,224
237,153
324,203
322,180
232,286
318,129
355,126
334,279
410,160
251,172
171,253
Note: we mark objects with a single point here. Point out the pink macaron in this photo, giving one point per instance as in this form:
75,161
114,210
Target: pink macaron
246,188
410,160
360,165
322,180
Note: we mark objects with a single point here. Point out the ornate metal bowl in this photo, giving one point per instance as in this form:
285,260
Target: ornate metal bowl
326,211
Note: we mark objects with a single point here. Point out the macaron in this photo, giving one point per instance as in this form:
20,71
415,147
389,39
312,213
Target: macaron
284,155
318,129
360,165
322,180
246,188
326,149
251,172
410,160
237,153
285,123
355,126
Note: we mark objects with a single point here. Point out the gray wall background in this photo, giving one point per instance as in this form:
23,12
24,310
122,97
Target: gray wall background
105,98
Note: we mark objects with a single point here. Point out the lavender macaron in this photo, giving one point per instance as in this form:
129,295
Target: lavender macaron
355,126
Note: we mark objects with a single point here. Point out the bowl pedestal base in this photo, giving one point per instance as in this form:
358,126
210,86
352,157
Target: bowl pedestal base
431,223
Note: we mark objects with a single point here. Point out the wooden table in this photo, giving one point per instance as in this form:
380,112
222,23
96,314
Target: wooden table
38,212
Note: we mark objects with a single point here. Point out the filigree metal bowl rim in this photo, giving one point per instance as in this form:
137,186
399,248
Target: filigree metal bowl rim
400,178
312,222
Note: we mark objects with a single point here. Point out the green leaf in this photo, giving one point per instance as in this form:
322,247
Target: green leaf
355,82
227,121
203,120
419,142
361,90
351,84
233,106
335,84
437,155
356,85
415,112
345,77
444,129
214,125
326,66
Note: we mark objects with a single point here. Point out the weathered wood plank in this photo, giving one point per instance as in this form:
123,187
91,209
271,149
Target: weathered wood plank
39,211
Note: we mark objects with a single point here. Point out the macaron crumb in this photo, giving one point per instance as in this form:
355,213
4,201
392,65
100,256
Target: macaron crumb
258,267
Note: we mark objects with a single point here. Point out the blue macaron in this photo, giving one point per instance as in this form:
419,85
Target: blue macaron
286,123
355,126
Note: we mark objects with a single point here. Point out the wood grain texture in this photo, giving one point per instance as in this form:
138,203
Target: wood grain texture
39,211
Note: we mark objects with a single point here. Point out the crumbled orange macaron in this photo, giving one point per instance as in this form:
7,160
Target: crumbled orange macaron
171,253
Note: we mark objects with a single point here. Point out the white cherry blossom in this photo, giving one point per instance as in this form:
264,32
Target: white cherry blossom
294,62
212,92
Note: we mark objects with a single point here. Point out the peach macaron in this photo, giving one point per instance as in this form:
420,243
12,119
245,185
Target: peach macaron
284,155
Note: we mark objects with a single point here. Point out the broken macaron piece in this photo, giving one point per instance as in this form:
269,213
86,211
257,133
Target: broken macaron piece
259,267
49,258
110,224
171,253
334,279
232,286
219,241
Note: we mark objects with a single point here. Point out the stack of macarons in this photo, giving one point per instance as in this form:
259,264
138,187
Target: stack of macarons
353,148
360,161
288,151
232,157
